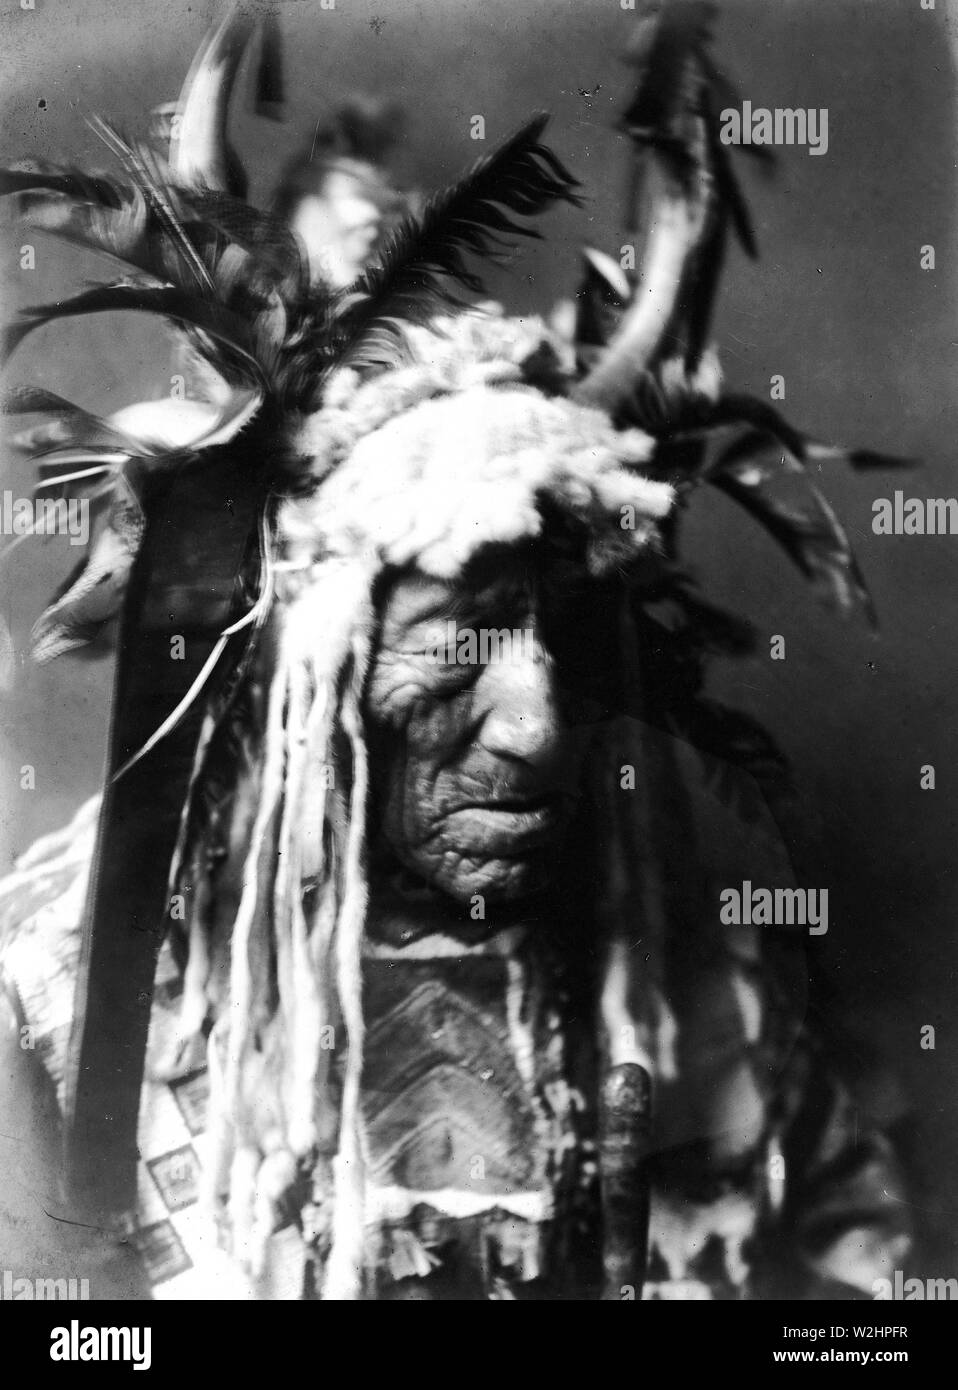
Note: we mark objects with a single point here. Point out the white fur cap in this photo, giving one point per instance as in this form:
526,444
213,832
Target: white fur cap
438,481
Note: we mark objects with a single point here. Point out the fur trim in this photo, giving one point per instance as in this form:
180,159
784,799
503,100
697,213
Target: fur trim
440,480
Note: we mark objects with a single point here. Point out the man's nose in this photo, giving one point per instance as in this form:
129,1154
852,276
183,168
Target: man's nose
518,694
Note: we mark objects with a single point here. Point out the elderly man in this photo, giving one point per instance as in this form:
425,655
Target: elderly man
444,1004
446,864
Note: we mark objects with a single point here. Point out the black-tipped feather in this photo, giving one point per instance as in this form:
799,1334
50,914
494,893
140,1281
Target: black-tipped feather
475,216
148,233
72,426
672,122
666,50
231,331
776,491
741,409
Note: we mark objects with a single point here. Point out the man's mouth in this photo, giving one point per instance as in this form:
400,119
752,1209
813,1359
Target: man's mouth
509,824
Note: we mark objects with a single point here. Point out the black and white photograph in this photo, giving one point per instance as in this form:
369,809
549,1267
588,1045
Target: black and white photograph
478,631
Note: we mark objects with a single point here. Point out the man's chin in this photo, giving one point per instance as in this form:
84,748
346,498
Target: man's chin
504,881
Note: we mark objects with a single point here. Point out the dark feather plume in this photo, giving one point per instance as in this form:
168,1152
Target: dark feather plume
425,261
666,51
774,489
746,410
122,221
231,331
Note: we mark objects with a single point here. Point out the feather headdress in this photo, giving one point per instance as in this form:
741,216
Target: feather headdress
261,522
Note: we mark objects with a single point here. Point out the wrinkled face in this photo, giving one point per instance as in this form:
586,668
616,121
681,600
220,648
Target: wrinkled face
479,703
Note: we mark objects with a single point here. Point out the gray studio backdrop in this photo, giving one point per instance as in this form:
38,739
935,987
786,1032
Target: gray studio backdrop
838,304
